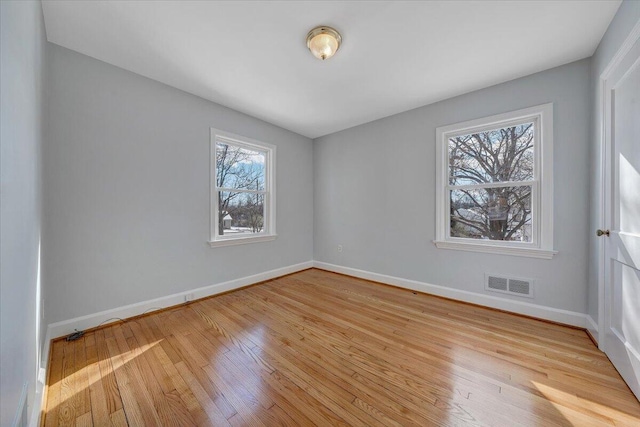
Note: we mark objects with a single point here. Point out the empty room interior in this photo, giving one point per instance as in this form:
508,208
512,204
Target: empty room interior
363,213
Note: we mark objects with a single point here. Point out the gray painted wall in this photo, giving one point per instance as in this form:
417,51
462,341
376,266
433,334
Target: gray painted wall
126,191
626,18
22,122
374,192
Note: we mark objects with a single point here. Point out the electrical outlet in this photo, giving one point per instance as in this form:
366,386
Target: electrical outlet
339,248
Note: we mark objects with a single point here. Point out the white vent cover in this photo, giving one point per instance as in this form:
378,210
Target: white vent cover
509,285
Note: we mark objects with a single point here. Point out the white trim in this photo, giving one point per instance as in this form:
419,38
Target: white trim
65,327
38,403
230,241
624,48
566,317
22,402
496,249
592,327
269,231
605,179
542,184
39,399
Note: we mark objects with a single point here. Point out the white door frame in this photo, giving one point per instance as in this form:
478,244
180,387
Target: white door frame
605,169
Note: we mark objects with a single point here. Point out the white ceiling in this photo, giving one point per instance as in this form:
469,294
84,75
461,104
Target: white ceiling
396,55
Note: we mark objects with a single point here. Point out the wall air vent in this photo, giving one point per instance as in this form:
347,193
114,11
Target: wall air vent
509,285
495,283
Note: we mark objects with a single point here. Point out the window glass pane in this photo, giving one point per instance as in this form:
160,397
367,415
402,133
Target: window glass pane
240,213
502,213
499,155
239,168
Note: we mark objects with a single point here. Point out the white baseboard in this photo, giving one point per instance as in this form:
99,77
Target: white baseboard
520,307
38,404
39,400
592,327
18,417
59,329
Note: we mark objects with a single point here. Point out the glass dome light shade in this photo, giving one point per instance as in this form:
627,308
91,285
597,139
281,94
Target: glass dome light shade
323,42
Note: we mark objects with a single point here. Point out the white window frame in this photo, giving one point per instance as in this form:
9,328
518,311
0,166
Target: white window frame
541,245
269,231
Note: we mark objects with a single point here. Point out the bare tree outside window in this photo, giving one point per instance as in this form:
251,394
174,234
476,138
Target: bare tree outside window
240,182
491,177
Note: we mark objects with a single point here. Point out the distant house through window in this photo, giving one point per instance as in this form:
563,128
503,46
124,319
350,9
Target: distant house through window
242,184
495,184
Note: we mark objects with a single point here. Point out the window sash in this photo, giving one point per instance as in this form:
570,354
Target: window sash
265,217
268,210
535,119
534,183
535,210
247,146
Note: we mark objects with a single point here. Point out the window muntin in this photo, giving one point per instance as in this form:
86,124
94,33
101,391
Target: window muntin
494,184
243,208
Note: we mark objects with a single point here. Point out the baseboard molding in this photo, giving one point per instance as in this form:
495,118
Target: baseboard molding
59,329
519,307
38,404
41,387
19,416
592,328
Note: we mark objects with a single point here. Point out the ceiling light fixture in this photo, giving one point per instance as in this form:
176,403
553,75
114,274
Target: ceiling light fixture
323,42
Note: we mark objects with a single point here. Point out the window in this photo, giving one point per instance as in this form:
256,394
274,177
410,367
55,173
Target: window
242,190
495,184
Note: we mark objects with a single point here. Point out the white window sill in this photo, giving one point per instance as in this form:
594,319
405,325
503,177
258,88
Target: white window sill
242,240
493,249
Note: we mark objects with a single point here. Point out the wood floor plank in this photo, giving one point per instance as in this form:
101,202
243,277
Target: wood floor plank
84,420
434,397
329,393
83,399
126,388
511,375
98,407
194,366
347,378
54,384
337,372
155,381
107,376
118,419
211,409
182,390
66,409
318,348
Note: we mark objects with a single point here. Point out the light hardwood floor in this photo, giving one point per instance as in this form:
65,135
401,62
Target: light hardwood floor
317,348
